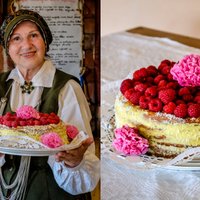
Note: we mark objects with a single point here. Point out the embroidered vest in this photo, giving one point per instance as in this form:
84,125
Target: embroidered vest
41,182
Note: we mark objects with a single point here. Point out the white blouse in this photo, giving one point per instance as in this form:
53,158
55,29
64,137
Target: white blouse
73,109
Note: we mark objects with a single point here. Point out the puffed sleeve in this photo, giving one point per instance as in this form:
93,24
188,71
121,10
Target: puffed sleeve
74,110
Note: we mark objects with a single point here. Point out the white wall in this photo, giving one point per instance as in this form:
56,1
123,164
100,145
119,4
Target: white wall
176,16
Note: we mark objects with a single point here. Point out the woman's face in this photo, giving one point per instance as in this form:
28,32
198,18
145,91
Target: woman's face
26,46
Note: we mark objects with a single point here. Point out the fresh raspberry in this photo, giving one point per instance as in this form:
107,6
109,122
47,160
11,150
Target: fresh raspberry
14,124
165,70
37,122
134,98
158,78
183,91
181,111
172,85
129,92
167,62
194,110
7,123
187,97
152,70
197,99
144,101
22,123
151,91
141,87
169,108
162,84
179,101
167,95
149,80
141,74
125,85
155,105
170,77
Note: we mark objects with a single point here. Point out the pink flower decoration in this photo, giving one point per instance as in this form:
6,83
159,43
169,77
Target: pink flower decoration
187,71
27,112
128,142
72,131
51,140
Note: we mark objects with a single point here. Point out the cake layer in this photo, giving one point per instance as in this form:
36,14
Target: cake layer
168,135
35,132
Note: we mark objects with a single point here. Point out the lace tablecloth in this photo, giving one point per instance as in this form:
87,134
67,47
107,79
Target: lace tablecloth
121,54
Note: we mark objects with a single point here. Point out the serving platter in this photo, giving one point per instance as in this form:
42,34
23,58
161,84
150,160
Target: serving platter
25,146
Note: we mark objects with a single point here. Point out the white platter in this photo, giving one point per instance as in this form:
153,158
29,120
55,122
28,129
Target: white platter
25,146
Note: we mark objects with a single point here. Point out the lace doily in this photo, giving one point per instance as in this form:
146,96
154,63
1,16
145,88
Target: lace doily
189,159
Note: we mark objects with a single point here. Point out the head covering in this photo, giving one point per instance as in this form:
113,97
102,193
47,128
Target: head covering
11,21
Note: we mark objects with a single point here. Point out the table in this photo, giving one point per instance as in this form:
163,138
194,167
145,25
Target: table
121,54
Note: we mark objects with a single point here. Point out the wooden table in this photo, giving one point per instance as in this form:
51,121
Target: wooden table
193,42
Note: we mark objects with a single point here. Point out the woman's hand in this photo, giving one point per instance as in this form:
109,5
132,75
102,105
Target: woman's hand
72,158
1,154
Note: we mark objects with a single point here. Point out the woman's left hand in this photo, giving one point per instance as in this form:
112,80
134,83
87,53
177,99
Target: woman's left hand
73,158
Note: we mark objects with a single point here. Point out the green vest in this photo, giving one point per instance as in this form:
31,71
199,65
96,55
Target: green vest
41,182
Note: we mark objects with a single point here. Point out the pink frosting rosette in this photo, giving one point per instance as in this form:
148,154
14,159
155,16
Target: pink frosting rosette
128,142
187,71
27,112
71,131
51,140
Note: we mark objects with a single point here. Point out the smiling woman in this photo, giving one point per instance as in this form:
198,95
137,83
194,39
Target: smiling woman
71,174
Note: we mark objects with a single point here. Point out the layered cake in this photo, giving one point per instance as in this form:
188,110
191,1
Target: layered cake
42,127
163,103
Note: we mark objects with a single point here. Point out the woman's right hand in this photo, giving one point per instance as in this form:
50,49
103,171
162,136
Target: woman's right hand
1,154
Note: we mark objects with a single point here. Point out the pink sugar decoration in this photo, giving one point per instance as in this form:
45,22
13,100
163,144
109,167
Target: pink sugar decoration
187,71
128,142
51,140
71,131
27,112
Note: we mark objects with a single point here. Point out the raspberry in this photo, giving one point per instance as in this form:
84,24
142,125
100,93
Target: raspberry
125,85
162,84
151,91
179,101
194,110
155,105
167,95
169,108
144,101
14,124
141,74
37,122
170,77
197,99
7,123
141,87
149,80
187,97
184,90
172,85
167,62
165,70
22,123
181,111
134,98
152,71
158,78
128,93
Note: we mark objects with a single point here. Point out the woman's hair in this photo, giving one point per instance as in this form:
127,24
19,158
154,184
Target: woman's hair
11,21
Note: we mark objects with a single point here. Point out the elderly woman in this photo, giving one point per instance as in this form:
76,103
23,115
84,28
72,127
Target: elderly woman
36,82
